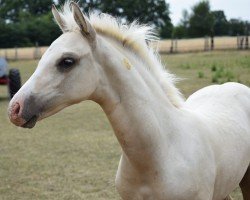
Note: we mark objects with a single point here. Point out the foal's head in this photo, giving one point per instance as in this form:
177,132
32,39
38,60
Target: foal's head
66,74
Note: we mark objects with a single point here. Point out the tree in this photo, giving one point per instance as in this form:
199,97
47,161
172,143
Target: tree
37,7
185,19
154,12
29,21
221,24
237,26
26,22
201,20
4,34
181,30
11,10
41,30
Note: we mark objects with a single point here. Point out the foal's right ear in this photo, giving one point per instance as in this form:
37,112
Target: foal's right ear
59,20
85,27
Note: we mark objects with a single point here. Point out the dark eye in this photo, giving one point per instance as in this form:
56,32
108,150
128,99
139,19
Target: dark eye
66,63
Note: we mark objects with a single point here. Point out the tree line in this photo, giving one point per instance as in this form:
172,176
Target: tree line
202,21
30,22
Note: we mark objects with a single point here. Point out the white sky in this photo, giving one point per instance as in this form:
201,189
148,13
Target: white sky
232,8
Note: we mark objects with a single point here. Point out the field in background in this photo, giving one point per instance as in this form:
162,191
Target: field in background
74,154
164,46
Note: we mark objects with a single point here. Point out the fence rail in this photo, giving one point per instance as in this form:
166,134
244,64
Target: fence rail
29,53
202,44
164,46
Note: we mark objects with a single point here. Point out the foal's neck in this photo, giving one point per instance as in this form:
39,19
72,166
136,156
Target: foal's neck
133,102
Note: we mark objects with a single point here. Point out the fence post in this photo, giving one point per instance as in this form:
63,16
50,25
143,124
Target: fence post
175,45
238,41
212,43
246,38
241,42
37,51
206,43
246,44
172,46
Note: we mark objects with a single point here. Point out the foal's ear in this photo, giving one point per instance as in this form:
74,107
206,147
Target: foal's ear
86,28
59,20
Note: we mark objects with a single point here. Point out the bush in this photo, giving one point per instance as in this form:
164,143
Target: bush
213,68
222,76
200,74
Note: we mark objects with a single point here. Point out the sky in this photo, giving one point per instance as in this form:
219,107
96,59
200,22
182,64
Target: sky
232,8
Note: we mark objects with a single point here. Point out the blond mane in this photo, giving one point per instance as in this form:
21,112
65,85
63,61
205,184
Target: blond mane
134,37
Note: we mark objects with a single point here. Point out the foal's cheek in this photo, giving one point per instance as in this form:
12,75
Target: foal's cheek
76,82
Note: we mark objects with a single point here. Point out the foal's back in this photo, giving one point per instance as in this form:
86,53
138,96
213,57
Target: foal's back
229,100
225,108
226,111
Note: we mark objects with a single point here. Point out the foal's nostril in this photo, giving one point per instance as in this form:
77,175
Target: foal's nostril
16,109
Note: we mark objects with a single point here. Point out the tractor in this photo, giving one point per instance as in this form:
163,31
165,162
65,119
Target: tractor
10,78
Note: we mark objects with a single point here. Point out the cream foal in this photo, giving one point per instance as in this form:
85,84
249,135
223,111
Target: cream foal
172,150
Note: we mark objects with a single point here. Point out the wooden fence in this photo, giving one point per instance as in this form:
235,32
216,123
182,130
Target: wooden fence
164,46
29,53
203,44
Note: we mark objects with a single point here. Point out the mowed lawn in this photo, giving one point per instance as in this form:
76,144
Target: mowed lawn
74,154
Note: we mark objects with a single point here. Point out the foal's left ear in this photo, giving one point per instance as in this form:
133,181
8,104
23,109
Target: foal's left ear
86,28
59,20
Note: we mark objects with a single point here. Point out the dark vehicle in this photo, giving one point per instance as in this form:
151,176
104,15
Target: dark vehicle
10,78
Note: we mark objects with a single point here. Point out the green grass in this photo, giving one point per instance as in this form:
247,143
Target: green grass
189,67
74,154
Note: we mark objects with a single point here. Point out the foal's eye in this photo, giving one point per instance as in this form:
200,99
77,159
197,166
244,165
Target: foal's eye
66,63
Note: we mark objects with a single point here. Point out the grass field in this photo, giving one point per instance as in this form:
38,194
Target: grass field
74,154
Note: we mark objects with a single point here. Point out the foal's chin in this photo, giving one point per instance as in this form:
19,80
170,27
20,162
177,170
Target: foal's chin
32,122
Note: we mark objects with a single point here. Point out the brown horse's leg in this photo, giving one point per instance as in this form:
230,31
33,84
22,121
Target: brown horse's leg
228,198
245,185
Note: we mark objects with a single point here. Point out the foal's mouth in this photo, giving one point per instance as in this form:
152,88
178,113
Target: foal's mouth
31,122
